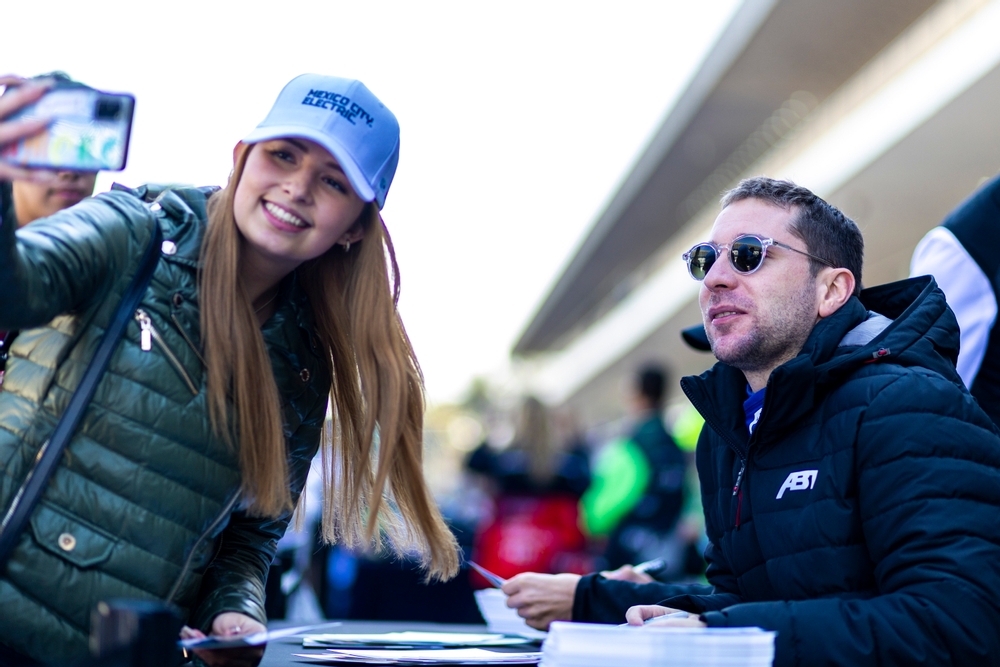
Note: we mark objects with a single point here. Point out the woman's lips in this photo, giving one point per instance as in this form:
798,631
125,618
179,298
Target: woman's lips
283,219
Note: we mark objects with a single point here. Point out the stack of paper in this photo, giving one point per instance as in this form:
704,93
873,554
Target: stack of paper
408,640
590,645
451,656
501,618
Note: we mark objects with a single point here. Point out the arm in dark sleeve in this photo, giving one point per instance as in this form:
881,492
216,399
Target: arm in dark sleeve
720,594
929,492
236,577
600,600
62,263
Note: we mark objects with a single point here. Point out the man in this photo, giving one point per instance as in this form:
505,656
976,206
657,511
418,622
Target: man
27,195
959,255
637,493
851,485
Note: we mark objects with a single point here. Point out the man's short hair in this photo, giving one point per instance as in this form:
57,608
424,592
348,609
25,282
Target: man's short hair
826,231
651,382
61,79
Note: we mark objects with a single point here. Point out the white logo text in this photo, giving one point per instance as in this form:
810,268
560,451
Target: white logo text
798,481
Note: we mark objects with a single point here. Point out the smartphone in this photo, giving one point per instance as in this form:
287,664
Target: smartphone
89,131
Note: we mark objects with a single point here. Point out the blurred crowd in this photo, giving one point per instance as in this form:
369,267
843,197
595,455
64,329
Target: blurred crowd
523,489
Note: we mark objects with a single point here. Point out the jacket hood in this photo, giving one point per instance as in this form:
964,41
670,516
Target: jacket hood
906,323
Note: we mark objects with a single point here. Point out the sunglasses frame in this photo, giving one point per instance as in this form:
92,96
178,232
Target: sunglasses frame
764,242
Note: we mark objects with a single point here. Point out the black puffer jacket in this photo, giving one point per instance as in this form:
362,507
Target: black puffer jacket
146,502
866,527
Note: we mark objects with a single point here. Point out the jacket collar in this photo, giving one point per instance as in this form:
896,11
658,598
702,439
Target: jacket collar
186,212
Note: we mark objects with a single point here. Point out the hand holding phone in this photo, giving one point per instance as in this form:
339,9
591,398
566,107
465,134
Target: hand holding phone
18,95
85,130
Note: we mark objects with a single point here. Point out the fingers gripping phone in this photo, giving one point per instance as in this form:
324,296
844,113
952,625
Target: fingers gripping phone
89,131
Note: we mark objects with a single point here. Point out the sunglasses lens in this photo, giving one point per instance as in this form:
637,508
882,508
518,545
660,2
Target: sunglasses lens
747,253
700,260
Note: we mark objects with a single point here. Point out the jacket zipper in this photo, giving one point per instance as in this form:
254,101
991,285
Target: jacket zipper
148,334
738,486
738,490
187,339
226,511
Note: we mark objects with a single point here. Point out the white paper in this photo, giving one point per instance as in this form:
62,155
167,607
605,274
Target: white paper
458,656
501,618
256,639
591,645
409,638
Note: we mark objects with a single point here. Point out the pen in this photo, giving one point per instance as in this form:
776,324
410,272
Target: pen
654,564
494,579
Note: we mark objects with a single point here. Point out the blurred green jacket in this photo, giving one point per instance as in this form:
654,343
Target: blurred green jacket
146,502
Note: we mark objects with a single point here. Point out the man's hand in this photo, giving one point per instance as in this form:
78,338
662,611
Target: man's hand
18,95
542,598
639,614
628,573
229,624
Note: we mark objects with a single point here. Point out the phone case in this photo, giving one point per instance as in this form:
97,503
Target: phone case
90,131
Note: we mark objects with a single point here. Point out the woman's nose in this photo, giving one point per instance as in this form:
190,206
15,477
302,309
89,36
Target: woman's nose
297,185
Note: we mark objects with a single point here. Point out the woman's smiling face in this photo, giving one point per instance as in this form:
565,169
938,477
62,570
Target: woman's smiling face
293,203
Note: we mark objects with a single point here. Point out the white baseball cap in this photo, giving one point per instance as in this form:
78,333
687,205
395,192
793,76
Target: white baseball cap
345,118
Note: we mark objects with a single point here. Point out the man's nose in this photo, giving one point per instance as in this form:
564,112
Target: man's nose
721,274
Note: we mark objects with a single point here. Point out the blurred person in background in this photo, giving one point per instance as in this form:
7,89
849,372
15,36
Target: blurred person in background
536,485
959,254
26,196
636,502
187,463
637,495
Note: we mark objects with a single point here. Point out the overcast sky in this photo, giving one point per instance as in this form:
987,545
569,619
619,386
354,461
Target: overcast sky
519,119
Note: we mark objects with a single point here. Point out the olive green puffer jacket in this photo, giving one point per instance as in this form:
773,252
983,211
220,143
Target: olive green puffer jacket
145,503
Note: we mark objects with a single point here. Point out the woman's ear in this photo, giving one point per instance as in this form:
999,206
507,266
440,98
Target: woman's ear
355,233
236,150
836,286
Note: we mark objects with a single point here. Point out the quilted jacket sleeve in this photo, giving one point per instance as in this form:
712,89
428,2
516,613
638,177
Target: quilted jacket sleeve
236,578
928,476
63,263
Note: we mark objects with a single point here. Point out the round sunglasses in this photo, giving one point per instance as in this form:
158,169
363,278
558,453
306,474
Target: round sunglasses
746,254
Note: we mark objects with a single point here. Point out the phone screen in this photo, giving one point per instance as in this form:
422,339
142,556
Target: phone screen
89,131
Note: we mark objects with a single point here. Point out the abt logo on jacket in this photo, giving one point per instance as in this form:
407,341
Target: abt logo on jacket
798,481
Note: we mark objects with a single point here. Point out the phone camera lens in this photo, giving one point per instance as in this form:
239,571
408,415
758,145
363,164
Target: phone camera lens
108,108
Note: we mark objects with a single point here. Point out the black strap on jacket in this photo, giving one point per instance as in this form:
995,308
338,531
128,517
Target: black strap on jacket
6,340
16,518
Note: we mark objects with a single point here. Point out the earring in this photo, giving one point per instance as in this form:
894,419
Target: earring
347,246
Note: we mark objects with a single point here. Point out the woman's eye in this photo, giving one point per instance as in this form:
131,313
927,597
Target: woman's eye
282,155
335,184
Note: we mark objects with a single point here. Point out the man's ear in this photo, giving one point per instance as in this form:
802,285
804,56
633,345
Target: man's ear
835,287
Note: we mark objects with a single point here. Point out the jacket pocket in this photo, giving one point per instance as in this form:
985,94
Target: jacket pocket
148,335
69,538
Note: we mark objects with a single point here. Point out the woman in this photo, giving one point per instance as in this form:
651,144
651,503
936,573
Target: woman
271,298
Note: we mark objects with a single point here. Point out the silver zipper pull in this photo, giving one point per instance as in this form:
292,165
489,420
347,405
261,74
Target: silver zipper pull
146,330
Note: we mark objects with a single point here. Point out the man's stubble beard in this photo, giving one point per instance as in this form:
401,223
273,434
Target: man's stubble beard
774,342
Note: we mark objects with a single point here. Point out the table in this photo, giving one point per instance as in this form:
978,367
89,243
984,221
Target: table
280,652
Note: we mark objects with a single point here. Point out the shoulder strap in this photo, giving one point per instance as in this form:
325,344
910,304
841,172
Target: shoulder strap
16,518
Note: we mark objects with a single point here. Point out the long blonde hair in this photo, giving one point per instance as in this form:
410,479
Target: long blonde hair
377,387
